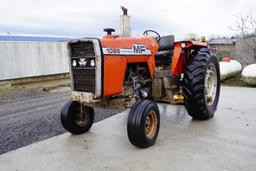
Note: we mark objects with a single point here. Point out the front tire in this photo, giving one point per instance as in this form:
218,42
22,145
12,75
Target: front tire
202,85
77,118
143,123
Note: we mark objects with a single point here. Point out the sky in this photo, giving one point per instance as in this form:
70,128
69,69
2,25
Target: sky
83,18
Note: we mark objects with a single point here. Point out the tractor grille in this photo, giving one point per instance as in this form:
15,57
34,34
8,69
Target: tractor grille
82,49
82,52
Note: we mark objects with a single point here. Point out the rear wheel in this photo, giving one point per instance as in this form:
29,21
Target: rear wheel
143,123
202,85
77,118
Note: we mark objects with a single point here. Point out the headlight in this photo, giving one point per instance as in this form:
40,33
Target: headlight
92,63
74,63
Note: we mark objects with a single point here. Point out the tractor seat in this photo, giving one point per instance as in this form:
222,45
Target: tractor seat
166,43
165,51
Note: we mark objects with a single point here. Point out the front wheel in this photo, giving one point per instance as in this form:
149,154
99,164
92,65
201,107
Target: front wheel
77,118
143,123
202,85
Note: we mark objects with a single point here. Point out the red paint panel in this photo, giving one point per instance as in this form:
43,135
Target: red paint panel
177,61
114,73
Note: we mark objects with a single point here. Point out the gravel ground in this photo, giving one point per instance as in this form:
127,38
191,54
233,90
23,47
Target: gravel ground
18,92
36,117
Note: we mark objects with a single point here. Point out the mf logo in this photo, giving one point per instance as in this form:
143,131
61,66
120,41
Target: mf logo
82,62
139,48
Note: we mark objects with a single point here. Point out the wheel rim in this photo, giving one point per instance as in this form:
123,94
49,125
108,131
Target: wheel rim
151,124
82,117
210,84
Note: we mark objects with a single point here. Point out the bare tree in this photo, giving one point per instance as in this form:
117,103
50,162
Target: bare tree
246,25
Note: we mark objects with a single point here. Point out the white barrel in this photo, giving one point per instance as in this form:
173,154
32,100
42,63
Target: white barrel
229,69
249,74
125,25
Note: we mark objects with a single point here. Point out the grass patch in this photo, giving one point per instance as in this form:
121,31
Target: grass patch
235,82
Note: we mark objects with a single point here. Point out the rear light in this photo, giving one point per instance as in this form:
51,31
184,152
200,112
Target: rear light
183,45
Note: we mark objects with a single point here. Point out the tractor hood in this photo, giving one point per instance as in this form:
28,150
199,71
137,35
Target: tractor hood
140,45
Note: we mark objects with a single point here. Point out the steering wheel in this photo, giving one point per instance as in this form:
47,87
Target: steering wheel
157,35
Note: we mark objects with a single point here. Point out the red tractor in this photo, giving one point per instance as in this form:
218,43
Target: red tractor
138,71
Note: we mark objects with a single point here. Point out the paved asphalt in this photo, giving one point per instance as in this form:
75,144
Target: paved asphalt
28,120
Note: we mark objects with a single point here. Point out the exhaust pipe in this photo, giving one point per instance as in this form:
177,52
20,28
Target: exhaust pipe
125,23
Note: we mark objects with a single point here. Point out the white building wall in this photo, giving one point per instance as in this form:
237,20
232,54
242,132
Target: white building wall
27,59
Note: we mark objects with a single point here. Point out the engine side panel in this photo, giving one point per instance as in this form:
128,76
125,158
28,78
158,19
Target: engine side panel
114,73
118,52
150,60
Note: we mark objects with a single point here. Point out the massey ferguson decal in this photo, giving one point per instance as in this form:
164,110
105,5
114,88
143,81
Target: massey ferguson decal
82,62
135,50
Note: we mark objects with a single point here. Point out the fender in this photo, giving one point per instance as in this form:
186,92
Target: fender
181,55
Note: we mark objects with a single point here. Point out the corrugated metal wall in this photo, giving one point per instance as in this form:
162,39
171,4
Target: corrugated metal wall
27,59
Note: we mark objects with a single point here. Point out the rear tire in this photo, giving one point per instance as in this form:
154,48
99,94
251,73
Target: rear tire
143,123
202,85
77,118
